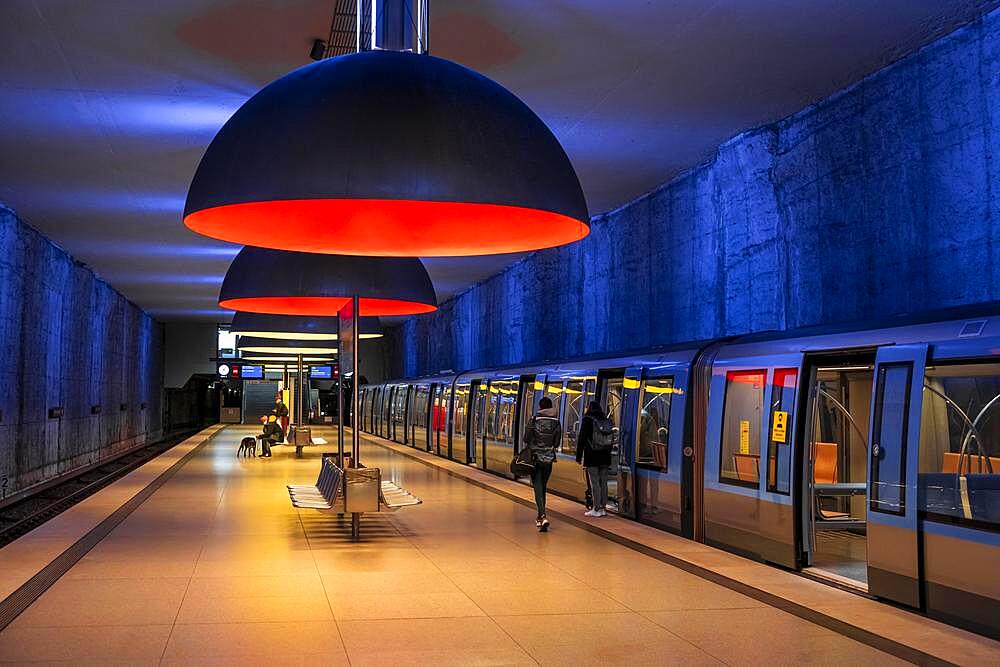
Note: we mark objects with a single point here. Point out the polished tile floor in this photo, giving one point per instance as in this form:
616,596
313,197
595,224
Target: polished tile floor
217,568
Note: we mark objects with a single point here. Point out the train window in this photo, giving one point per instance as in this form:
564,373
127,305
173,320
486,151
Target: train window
741,422
654,423
892,399
959,467
779,447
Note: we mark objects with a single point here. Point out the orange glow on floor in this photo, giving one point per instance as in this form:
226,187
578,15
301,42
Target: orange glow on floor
387,227
315,305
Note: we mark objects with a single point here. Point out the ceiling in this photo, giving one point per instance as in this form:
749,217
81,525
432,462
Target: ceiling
106,107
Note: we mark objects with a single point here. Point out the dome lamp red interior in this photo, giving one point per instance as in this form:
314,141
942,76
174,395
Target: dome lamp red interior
262,280
387,153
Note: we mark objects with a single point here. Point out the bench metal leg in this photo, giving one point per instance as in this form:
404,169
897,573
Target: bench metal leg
355,526
298,451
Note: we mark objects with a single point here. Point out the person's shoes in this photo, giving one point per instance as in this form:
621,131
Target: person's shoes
544,525
538,523
601,513
591,513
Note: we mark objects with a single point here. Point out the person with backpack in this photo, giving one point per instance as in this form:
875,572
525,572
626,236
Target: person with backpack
593,449
542,436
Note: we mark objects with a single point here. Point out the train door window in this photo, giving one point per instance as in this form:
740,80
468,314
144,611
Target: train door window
614,394
480,394
652,431
528,402
572,415
779,447
460,415
418,417
892,399
439,418
387,412
500,425
741,423
399,414
959,468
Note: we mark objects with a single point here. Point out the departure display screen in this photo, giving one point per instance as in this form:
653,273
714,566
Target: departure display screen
321,372
253,372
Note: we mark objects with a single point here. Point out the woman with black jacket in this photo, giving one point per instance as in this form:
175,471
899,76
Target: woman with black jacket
596,462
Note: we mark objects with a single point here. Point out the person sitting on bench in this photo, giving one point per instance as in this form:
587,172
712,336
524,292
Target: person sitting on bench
272,435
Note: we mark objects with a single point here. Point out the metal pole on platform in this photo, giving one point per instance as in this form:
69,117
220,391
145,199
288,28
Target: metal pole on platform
355,434
340,401
355,380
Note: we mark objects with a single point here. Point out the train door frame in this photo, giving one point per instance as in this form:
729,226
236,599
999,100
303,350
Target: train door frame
432,431
426,445
604,375
475,442
695,442
803,459
449,406
406,414
894,562
390,420
628,438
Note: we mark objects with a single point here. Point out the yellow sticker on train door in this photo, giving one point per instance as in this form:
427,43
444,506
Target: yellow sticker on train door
744,436
779,430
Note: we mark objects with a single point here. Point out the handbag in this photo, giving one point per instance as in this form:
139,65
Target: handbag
523,463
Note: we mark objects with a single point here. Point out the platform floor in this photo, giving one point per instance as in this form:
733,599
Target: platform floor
217,568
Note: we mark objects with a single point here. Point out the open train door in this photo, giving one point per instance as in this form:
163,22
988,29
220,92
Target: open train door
893,549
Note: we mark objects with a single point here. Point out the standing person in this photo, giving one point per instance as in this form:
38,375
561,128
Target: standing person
281,410
542,435
593,449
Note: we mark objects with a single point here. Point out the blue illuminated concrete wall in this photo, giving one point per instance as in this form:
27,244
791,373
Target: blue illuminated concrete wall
880,200
68,340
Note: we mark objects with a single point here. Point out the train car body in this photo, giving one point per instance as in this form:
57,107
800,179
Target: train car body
867,457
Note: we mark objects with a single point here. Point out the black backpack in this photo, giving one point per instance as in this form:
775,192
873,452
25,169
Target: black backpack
605,437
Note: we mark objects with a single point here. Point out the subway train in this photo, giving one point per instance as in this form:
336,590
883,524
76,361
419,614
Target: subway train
866,456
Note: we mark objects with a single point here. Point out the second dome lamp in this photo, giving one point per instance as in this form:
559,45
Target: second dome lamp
387,152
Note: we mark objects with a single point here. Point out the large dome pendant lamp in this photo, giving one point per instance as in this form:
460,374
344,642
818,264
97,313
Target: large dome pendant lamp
387,153
280,282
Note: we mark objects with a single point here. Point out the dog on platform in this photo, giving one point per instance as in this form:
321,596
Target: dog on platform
248,447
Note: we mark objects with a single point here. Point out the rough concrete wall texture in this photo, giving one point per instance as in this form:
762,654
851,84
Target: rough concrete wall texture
880,200
68,340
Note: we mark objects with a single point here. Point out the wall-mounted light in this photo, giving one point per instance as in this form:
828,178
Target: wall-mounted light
56,413
95,409
318,50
